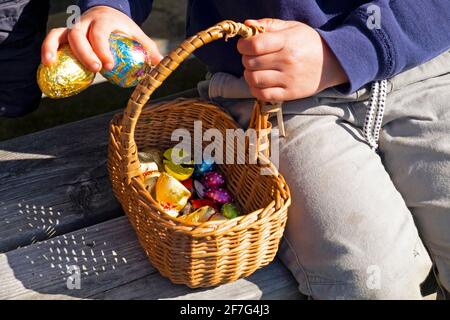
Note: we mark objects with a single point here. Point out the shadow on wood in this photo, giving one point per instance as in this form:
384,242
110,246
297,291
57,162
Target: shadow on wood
111,265
56,181
53,182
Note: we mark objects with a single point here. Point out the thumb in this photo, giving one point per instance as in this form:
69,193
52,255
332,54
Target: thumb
270,24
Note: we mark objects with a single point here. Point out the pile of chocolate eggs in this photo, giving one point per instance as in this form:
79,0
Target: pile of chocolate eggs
186,191
67,76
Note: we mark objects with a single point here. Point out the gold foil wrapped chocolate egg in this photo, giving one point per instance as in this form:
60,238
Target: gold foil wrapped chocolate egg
64,78
171,194
202,214
218,217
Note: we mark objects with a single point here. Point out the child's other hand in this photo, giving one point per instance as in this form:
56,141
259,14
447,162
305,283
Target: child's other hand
289,61
89,39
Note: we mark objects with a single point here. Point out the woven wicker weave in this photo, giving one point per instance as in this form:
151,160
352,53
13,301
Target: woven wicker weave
196,254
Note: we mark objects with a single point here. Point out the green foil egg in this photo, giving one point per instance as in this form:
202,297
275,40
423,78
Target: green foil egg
229,211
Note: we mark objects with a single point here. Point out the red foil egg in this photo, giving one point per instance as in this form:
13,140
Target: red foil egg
198,203
189,184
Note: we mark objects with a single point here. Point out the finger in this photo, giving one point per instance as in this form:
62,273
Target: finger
82,49
51,44
151,47
275,94
271,25
264,79
269,61
99,40
260,44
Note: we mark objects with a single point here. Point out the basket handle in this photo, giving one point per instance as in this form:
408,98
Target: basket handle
155,77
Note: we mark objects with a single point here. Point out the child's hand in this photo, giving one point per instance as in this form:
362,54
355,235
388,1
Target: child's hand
89,39
289,61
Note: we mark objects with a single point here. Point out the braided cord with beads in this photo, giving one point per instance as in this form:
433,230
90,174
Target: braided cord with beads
380,111
375,113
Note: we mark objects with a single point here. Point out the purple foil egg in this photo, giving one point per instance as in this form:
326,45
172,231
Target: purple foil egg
213,179
219,195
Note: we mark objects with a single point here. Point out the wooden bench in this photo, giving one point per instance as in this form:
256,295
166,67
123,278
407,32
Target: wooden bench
57,210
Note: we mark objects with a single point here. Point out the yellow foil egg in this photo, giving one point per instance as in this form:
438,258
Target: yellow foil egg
202,214
64,78
171,194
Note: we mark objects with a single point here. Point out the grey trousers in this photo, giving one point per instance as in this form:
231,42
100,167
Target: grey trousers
363,225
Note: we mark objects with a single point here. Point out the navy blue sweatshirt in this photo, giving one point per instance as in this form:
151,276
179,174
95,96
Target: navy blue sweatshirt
369,46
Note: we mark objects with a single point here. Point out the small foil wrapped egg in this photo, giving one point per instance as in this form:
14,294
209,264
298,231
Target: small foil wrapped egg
207,165
148,167
229,211
188,208
64,78
130,58
150,182
178,171
198,203
213,179
151,160
202,214
177,163
199,189
189,184
219,195
171,194
218,217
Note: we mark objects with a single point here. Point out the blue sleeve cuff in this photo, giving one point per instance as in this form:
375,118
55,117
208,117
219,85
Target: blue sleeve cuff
121,5
138,10
364,54
356,54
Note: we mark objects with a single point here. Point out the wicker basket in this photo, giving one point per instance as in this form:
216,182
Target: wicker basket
196,254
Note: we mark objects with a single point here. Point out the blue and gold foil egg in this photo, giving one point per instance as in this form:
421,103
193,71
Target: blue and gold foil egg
130,58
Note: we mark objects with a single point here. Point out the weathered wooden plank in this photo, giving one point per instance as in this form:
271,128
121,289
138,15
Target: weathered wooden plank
113,266
107,255
55,181
270,283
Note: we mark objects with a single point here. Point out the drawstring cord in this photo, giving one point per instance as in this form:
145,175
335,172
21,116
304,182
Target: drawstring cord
374,114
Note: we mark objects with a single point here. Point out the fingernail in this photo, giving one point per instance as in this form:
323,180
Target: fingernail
96,66
49,57
108,66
